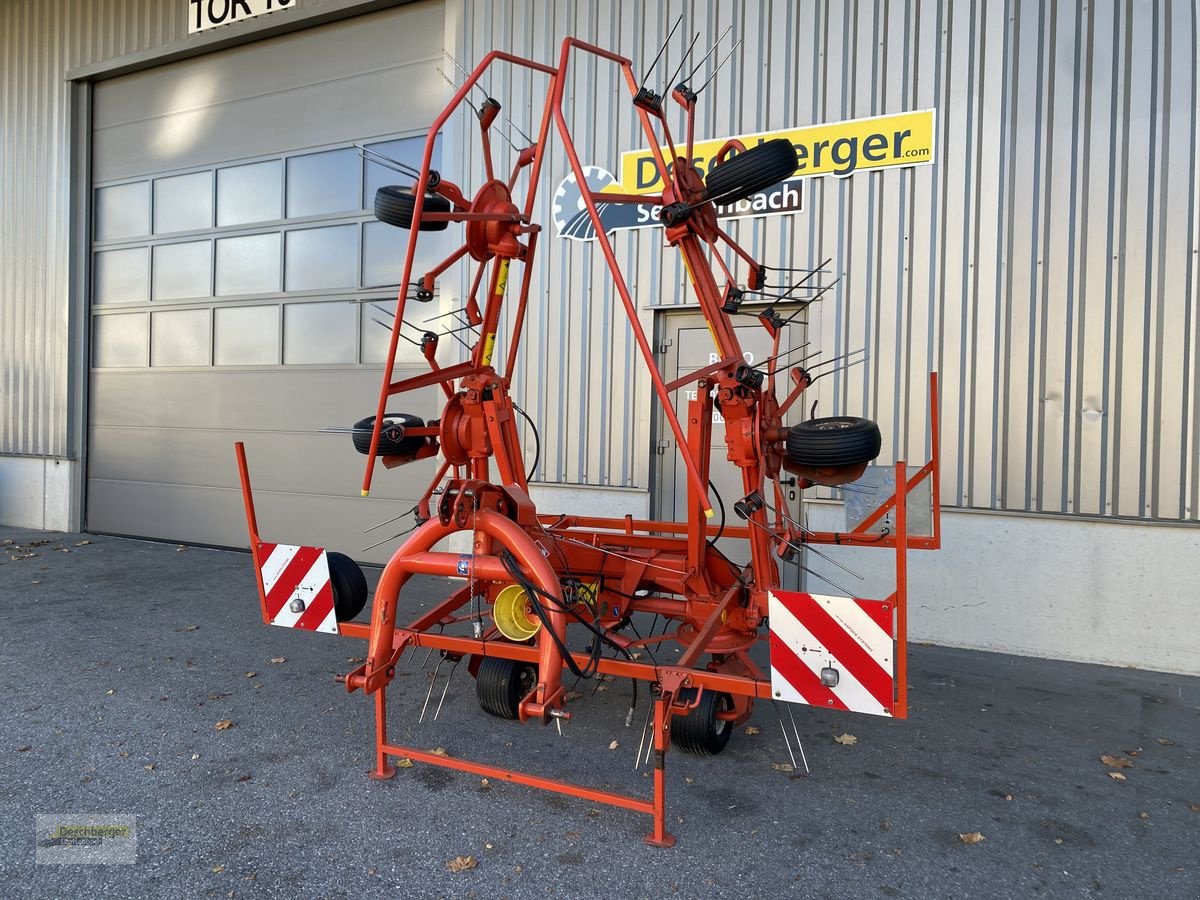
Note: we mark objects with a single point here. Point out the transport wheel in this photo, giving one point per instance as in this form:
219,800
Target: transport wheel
833,441
700,731
349,586
395,205
392,441
501,685
755,170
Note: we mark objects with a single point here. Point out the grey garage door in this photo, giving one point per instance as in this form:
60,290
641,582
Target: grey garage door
235,271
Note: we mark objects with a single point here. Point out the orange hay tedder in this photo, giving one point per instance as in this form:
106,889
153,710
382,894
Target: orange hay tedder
535,586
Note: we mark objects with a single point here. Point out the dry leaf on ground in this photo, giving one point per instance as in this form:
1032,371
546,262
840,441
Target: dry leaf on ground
251,674
188,628
971,837
149,767
278,659
1195,806
462,863
1166,742
783,767
439,751
613,746
224,725
1116,776
83,543
751,729
25,748
848,740
1143,815
218,869
405,763
1117,762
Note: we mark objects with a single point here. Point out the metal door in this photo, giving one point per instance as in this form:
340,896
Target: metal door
686,346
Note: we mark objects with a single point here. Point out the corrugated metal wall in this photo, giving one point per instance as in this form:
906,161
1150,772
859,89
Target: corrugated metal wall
40,41
1046,265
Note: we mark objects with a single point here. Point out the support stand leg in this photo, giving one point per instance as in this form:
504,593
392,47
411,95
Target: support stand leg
383,769
662,725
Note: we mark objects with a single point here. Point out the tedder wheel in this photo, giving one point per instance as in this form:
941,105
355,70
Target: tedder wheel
396,205
833,441
755,170
700,731
501,685
392,441
349,586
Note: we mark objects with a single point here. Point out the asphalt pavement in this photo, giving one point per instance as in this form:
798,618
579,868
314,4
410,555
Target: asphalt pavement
139,681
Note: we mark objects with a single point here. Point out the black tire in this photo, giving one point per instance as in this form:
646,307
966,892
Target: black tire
834,441
396,205
392,441
501,685
700,731
755,170
349,586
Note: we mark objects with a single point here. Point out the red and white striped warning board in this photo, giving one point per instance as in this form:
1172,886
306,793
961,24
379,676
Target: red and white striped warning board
835,652
296,587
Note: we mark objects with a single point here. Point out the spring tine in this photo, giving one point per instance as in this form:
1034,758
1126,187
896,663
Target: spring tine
385,540
450,81
637,760
449,677
840,358
429,693
799,743
854,488
486,93
786,741
846,591
661,51
686,56
391,520
558,725
819,268
706,56
849,365
804,568
809,547
387,161
771,359
736,44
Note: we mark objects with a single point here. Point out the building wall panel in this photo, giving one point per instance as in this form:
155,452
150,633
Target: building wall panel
1046,265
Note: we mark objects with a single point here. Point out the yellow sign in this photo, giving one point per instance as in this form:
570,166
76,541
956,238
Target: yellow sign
837,148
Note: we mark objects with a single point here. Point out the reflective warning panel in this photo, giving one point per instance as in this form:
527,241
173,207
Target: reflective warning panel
297,589
835,652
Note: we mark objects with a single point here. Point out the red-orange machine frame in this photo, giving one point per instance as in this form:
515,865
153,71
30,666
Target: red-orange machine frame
638,566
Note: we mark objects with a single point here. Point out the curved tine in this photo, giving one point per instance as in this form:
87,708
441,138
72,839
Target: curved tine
686,56
661,51
705,57
478,85
737,44
429,693
449,677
